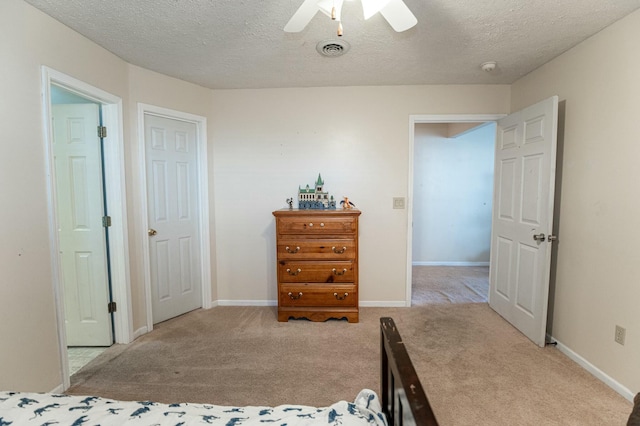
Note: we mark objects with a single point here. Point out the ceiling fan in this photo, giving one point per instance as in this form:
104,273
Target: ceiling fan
394,11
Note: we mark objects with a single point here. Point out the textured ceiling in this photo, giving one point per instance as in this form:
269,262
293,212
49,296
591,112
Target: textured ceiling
229,44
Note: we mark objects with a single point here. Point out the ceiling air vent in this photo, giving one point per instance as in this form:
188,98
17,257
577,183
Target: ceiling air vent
333,48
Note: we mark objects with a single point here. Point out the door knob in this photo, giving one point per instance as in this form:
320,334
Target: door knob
551,238
539,237
152,232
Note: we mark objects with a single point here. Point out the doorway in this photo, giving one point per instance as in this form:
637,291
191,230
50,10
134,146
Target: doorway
454,125
81,210
522,217
453,190
109,107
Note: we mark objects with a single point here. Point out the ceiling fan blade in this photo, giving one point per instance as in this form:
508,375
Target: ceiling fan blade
371,7
302,17
398,15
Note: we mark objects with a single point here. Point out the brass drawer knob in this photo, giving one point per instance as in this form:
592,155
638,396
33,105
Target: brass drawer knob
294,251
340,297
294,273
295,296
339,251
336,272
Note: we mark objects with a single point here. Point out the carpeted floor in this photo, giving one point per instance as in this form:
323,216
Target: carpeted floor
449,284
476,368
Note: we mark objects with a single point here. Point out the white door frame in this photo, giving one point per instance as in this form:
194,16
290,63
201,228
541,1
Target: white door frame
115,191
203,200
433,119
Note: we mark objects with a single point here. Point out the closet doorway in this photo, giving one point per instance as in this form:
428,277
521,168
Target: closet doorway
94,106
81,209
174,179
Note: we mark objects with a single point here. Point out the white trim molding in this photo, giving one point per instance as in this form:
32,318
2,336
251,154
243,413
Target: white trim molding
247,303
57,390
140,332
383,304
111,107
203,199
599,374
438,263
367,304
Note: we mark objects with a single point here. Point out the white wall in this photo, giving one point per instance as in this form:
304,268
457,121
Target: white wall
267,142
29,39
597,282
452,191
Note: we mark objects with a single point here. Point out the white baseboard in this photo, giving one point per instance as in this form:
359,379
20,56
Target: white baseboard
450,263
599,374
383,304
247,302
57,389
367,304
139,332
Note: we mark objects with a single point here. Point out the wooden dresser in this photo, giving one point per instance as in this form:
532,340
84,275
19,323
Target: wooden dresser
317,264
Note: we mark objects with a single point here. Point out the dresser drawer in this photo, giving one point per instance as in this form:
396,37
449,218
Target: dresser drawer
316,272
314,225
291,249
318,295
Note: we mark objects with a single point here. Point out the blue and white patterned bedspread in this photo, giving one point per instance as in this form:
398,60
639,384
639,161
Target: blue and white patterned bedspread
17,409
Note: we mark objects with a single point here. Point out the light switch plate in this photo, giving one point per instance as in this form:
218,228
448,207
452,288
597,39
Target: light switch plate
398,202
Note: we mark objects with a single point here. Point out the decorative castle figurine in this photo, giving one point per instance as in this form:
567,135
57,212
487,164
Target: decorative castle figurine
315,198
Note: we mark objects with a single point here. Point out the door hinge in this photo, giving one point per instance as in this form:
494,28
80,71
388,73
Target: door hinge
106,221
102,132
111,307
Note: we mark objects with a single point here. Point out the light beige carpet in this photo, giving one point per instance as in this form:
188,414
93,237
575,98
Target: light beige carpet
476,368
449,284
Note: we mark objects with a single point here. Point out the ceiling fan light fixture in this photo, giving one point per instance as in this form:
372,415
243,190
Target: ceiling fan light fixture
331,8
395,12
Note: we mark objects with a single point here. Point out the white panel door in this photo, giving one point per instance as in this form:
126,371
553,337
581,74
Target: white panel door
79,194
523,217
173,210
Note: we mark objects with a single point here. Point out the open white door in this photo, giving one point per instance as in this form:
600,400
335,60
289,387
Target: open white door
173,216
79,190
522,222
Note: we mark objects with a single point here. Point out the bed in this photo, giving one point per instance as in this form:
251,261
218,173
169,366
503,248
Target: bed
402,402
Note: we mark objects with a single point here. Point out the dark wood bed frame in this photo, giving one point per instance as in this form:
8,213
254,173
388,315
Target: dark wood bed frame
403,399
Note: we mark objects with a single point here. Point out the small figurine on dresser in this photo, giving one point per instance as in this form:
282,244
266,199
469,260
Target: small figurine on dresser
346,204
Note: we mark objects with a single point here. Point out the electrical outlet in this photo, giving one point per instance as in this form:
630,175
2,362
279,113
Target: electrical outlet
620,333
